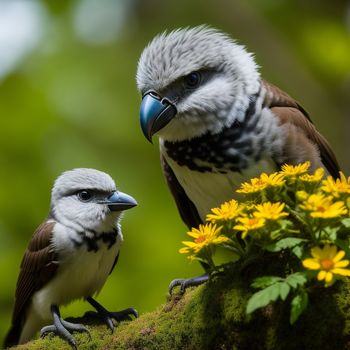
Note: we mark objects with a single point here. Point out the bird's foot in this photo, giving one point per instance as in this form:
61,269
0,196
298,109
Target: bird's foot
63,328
184,283
109,317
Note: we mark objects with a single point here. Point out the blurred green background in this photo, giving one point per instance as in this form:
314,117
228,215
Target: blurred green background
68,99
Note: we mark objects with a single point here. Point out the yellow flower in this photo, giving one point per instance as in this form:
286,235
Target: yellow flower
321,206
248,224
258,184
204,236
336,187
227,211
270,211
255,185
294,170
274,179
316,177
329,261
302,195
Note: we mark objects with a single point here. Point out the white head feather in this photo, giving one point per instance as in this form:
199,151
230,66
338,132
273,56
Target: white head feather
232,78
68,209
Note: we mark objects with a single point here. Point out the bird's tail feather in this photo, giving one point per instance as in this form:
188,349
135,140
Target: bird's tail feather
12,337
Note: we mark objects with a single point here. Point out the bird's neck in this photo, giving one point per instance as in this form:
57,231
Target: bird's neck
79,237
90,232
93,240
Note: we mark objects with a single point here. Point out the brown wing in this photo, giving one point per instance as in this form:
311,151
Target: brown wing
185,206
289,111
37,268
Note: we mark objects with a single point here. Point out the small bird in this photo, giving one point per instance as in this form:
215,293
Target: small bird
219,123
70,256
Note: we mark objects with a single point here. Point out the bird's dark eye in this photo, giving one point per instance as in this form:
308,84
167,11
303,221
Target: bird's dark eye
84,195
192,80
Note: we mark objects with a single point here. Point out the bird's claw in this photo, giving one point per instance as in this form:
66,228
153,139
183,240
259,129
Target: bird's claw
185,283
63,329
125,314
177,282
109,317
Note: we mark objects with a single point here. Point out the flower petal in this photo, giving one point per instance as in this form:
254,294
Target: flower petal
342,272
240,228
184,250
189,244
244,234
194,233
317,252
321,275
329,276
342,263
332,251
340,255
220,239
311,264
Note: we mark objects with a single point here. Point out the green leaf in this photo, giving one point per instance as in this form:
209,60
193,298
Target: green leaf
263,298
274,235
274,287
298,305
285,243
267,295
285,224
330,233
344,245
298,251
346,222
265,281
284,290
296,279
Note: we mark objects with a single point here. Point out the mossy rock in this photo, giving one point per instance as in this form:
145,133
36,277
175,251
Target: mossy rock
212,316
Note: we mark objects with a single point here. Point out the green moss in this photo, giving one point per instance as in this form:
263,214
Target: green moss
212,316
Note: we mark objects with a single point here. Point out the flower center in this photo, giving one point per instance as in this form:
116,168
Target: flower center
327,264
321,209
252,221
200,239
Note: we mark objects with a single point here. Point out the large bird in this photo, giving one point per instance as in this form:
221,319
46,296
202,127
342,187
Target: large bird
70,256
219,123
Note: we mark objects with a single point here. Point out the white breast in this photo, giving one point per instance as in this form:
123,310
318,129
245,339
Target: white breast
208,190
81,272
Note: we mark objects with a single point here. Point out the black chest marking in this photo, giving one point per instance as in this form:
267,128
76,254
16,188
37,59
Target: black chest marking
92,241
230,150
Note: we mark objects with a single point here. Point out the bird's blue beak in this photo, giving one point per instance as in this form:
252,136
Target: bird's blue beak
155,113
119,201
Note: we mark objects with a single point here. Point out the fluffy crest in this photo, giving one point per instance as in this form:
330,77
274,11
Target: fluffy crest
82,178
180,52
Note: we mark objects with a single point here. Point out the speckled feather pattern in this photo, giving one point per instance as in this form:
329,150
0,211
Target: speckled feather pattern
171,55
234,148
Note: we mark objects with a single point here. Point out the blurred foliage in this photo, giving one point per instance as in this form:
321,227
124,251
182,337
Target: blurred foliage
72,102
